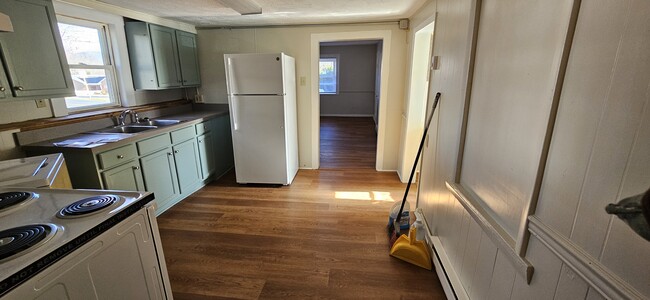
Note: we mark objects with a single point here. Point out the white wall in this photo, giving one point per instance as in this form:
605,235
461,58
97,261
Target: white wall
588,109
296,42
356,89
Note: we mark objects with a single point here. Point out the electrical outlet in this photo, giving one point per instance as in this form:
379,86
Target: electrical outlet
198,98
40,103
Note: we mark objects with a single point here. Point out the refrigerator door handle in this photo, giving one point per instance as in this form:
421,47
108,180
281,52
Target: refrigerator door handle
233,102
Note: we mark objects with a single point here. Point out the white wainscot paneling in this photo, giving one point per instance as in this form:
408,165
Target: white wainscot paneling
570,286
547,270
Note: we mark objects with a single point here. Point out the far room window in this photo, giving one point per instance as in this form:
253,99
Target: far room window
328,75
91,65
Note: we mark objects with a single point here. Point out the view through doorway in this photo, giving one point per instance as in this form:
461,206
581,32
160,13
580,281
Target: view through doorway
349,100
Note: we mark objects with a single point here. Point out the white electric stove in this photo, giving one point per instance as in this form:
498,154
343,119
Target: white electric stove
80,244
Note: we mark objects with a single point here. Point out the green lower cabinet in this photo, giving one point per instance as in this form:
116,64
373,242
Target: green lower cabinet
186,156
126,177
206,154
159,171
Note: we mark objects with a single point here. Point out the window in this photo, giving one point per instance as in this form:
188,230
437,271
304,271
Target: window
91,65
328,71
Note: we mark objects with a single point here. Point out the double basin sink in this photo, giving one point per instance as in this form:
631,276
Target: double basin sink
139,127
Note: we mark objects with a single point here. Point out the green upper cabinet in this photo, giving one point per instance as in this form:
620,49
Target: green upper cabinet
33,55
161,57
188,58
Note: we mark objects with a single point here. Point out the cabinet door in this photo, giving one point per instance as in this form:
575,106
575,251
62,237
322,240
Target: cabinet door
126,177
187,164
206,154
165,53
33,53
189,61
159,171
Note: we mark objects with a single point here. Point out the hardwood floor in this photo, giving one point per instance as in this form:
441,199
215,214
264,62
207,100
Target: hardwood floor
347,142
322,237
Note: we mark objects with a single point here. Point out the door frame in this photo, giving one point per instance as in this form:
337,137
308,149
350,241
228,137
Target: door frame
316,39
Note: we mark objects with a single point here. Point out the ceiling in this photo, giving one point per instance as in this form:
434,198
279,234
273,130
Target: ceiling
212,13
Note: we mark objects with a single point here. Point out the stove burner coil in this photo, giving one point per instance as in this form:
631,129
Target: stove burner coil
18,239
9,199
87,206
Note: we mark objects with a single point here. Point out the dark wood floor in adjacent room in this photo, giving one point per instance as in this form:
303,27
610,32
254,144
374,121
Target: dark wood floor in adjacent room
347,142
322,237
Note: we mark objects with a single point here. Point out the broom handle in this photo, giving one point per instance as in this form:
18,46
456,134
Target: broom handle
417,158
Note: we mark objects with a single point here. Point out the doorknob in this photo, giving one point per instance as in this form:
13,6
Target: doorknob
635,212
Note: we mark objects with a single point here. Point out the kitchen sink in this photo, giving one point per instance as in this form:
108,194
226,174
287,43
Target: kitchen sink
160,122
128,129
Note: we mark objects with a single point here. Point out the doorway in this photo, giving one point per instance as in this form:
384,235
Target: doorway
316,39
413,119
348,104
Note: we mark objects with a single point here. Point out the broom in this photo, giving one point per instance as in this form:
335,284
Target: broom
394,231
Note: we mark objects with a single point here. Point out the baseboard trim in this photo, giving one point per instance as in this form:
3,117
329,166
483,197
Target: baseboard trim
446,274
591,270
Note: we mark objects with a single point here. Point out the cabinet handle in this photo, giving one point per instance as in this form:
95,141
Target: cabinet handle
169,153
19,88
2,89
200,142
136,168
175,151
120,156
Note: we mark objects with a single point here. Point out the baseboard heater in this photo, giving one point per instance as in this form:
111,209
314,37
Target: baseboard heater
448,278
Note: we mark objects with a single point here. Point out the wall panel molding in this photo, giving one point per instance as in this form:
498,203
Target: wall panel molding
591,270
497,234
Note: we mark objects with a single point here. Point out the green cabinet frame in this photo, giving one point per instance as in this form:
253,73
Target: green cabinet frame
33,74
161,57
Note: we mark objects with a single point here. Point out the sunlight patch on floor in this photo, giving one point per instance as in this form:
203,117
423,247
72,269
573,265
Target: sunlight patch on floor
364,196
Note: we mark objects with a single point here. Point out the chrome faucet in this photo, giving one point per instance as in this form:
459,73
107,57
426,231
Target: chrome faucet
122,117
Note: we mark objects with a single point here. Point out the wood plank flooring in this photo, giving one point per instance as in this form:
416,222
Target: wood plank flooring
347,142
322,237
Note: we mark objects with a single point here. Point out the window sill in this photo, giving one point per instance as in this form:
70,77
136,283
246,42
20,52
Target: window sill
86,116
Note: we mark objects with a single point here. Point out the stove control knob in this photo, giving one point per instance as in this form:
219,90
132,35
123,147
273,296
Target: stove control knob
19,88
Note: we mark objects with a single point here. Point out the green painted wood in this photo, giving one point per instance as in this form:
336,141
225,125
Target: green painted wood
183,134
143,67
207,154
188,58
154,143
5,88
165,53
204,127
159,172
34,74
114,157
126,177
188,168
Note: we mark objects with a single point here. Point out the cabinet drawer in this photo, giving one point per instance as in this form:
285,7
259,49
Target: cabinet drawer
183,134
202,128
117,156
152,144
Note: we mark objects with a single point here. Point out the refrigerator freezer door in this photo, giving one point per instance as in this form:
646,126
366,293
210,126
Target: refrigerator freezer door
254,74
259,140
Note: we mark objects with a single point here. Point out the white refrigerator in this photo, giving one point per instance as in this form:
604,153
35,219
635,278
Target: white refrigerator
262,98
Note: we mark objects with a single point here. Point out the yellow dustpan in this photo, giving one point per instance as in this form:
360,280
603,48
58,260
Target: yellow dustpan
410,250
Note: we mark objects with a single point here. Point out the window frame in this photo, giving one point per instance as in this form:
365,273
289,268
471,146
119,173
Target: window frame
337,60
108,67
